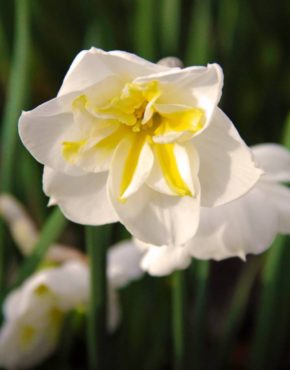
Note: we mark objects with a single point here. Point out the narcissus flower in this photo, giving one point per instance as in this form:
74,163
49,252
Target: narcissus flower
34,313
246,225
136,142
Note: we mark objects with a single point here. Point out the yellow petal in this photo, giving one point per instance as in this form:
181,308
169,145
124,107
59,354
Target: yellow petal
184,120
111,141
137,142
168,164
71,149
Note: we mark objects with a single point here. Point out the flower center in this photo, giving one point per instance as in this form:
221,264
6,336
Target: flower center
133,107
138,114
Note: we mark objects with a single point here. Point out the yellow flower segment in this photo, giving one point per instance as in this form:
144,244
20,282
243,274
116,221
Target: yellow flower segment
136,115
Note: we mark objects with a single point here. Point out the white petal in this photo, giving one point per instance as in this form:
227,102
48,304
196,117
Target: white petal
94,158
188,165
69,283
82,199
143,64
246,225
124,264
157,218
43,136
274,159
11,306
198,87
160,261
67,287
12,353
24,302
93,66
279,196
227,170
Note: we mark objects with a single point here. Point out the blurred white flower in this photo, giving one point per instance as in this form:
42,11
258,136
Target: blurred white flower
246,225
27,340
34,312
136,142
21,225
123,264
25,233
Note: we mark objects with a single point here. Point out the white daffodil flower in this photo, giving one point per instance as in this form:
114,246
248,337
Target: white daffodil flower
246,225
34,313
26,340
136,142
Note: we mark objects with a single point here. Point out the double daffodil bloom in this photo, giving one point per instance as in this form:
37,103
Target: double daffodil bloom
131,141
246,225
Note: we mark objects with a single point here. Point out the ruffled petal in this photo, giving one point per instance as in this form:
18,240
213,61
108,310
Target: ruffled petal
43,136
246,225
279,196
274,159
95,154
227,170
160,261
82,199
157,218
197,87
92,66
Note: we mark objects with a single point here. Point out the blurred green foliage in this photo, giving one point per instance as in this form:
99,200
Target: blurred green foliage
250,40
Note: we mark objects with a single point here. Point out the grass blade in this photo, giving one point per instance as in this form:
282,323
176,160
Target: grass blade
202,275
236,311
178,319
98,239
52,229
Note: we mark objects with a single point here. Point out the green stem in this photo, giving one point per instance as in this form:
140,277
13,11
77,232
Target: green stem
202,275
266,316
72,328
178,307
236,311
97,240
